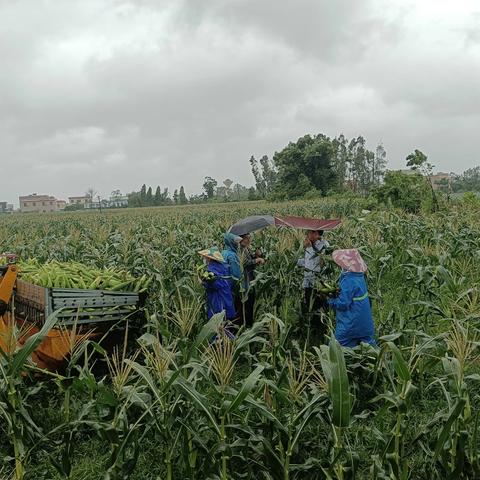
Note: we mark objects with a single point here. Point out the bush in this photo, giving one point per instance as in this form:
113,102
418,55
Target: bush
312,194
471,199
403,191
74,207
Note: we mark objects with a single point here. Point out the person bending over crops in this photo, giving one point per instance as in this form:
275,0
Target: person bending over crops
249,262
216,284
352,305
314,305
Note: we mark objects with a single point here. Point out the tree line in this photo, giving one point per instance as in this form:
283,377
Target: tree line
316,165
146,198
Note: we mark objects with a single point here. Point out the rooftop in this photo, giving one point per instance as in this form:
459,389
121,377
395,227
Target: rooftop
36,196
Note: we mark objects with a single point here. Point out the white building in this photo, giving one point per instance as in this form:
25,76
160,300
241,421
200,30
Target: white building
83,200
118,200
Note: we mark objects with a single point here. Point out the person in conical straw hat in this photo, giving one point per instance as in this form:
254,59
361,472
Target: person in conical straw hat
216,284
212,253
354,322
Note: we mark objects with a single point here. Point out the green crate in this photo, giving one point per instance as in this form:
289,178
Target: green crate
73,306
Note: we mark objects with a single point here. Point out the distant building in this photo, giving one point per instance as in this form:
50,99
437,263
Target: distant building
61,204
98,205
38,203
6,207
441,181
118,201
84,200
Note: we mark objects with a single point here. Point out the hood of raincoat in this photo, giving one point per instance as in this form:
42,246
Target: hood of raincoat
231,241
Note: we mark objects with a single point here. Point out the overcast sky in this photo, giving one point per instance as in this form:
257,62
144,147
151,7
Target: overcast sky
113,94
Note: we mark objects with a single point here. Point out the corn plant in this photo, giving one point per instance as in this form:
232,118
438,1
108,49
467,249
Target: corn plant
458,458
179,400
342,462
22,432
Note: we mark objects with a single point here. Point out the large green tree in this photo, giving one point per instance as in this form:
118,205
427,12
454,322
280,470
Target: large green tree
143,195
149,197
157,199
379,164
269,174
182,198
418,162
265,175
260,185
209,186
356,167
340,160
304,166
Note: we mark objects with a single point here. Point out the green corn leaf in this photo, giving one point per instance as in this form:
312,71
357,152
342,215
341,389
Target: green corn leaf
198,400
262,410
338,386
446,430
145,374
391,337
266,450
307,414
209,329
247,386
399,363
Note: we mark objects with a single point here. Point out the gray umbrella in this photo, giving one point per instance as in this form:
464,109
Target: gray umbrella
251,224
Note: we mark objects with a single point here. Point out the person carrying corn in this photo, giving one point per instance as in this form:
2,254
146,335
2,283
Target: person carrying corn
354,322
216,283
314,306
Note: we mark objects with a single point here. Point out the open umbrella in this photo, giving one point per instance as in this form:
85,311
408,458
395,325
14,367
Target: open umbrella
257,222
305,223
251,224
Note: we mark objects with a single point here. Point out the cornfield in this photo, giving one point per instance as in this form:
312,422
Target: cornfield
168,403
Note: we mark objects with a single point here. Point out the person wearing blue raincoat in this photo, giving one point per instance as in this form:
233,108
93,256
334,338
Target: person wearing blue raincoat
354,322
231,257
216,283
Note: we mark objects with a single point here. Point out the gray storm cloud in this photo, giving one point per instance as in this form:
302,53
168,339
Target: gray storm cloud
113,94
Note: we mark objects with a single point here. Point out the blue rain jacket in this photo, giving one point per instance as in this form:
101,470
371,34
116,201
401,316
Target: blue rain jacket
353,311
230,254
219,292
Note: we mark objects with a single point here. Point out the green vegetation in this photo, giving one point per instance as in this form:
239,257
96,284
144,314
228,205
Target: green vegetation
469,180
403,191
273,404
